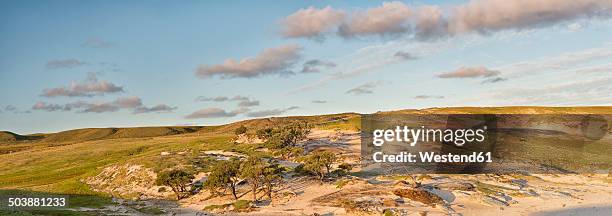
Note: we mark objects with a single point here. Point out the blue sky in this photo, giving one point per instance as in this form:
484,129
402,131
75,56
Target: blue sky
75,64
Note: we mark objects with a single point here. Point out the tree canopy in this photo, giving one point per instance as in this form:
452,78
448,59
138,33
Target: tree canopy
178,180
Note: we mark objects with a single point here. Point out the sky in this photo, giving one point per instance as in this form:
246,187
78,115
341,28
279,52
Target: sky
82,64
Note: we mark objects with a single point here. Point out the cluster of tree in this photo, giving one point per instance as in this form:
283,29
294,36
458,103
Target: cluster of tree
259,173
285,136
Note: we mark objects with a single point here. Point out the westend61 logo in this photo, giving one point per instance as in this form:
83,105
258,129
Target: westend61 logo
485,143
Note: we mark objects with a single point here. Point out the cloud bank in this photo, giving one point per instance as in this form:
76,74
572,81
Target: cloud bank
429,22
134,103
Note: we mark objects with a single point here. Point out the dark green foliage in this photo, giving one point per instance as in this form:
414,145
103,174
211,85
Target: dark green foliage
240,130
319,163
271,175
178,180
299,169
285,136
252,170
345,166
224,175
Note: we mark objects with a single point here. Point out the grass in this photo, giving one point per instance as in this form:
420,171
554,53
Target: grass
60,168
239,205
352,124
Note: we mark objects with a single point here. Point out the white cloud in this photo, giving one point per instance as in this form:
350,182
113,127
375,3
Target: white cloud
134,103
276,60
469,72
390,18
311,22
272,112
160,108
366,88
87,88
430,22
213,113
315,65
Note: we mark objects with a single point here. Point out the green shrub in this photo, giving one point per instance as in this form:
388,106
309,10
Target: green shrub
242,204
345,166
240,130
319,163
178,180
224,175
285,136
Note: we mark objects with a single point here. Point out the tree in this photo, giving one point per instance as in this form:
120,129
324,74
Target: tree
285,136
270,175
178,180
252,170
319,163
224,175
240,130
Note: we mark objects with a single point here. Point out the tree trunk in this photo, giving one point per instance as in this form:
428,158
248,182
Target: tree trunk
234,191
254,192
269,190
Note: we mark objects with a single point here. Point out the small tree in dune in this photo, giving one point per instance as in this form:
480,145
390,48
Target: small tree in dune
178,180
224,175
252,170
319,163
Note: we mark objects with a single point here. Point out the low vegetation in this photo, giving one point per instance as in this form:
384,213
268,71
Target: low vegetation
178,180
224,175
319,163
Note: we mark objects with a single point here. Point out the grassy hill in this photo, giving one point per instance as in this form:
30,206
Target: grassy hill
343,121
6,136
80,135
57,162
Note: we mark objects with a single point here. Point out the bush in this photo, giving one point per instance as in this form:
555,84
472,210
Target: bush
224,175
252,170
242,204
285,136
299,169
289,152
178,180
319,163
345,166
240,130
